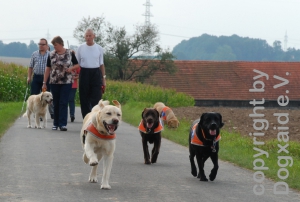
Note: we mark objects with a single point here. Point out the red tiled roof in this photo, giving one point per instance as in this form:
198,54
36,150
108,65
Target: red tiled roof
211,80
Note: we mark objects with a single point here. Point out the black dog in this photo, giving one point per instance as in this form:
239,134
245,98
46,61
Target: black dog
204,143
150,129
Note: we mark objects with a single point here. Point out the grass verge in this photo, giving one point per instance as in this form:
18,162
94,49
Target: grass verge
9,112
233,147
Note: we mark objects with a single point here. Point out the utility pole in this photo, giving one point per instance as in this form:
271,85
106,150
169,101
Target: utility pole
285,41
48,36
147,13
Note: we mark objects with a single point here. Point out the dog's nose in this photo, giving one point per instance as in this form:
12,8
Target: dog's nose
115,121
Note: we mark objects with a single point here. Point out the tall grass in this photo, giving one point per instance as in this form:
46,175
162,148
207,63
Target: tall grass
9,112
12,82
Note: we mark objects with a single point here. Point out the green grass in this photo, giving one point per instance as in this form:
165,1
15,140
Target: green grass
233,147
9,112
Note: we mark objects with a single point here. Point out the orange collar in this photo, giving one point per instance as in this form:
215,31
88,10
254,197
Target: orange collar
91,128
156,130
196,141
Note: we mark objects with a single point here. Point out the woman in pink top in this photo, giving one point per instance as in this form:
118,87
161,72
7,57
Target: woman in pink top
73,93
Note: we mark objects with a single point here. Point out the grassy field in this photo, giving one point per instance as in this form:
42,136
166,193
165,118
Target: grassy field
9,112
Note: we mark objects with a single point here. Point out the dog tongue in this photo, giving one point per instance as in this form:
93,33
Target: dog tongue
149,125
111,128
212,132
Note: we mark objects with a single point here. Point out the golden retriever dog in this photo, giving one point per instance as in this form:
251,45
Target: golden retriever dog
167,115
37,105
98,138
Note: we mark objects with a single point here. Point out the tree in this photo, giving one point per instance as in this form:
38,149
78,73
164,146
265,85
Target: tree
128,57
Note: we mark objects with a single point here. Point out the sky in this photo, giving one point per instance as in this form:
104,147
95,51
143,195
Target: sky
177,20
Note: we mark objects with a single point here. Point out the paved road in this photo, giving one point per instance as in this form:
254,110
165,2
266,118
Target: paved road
41,165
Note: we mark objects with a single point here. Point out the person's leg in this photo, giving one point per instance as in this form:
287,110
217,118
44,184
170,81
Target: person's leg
84,91
72,103
95,87
55,88
50,106
63,104
36,84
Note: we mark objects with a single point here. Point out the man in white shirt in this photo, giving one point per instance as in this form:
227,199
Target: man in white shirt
92,74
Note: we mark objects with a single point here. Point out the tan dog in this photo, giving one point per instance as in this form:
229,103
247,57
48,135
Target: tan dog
37,105
98,138
167,115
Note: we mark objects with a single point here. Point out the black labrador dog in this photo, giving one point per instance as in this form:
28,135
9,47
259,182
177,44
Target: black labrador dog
204,139
150,129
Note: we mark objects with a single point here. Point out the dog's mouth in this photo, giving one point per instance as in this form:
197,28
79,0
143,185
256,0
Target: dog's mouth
49,102
149,125
111,128
213,132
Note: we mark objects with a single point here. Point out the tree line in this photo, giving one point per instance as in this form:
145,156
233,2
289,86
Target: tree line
233,48
22,50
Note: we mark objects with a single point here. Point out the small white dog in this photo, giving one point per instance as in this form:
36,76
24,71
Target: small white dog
98,138
37,105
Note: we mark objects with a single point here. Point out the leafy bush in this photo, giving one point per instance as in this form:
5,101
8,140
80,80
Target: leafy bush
12,82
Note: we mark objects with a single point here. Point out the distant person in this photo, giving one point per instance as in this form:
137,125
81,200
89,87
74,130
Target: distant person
92,74
73,93
37,68
59,70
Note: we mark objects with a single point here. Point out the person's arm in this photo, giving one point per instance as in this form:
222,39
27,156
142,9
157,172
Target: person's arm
47,73
102,69
30,69
75,64
29,76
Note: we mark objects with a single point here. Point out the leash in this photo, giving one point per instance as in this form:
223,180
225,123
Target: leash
24,101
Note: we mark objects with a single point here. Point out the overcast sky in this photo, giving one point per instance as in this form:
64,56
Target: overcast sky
177,20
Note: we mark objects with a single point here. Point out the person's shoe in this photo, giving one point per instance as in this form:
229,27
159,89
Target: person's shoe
52,116
54,127
72,118
63,128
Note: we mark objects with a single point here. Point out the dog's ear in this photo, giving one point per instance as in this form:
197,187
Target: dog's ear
144,111
41,96
157,113
220,118
117,103
202,119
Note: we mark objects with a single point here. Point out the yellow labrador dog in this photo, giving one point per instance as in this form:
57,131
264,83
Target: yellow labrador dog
167,115
98,138
37,105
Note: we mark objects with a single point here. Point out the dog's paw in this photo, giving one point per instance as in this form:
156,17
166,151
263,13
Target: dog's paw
29,126
203,179
212,176
93,179
194,173
39,127
93,163
153,160
107,186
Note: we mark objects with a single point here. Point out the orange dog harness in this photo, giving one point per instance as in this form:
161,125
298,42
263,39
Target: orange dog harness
91,128
163,113
196,141
156,130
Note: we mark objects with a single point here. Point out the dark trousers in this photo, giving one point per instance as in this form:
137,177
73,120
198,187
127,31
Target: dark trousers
60,94
36,88
72,102
90,82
